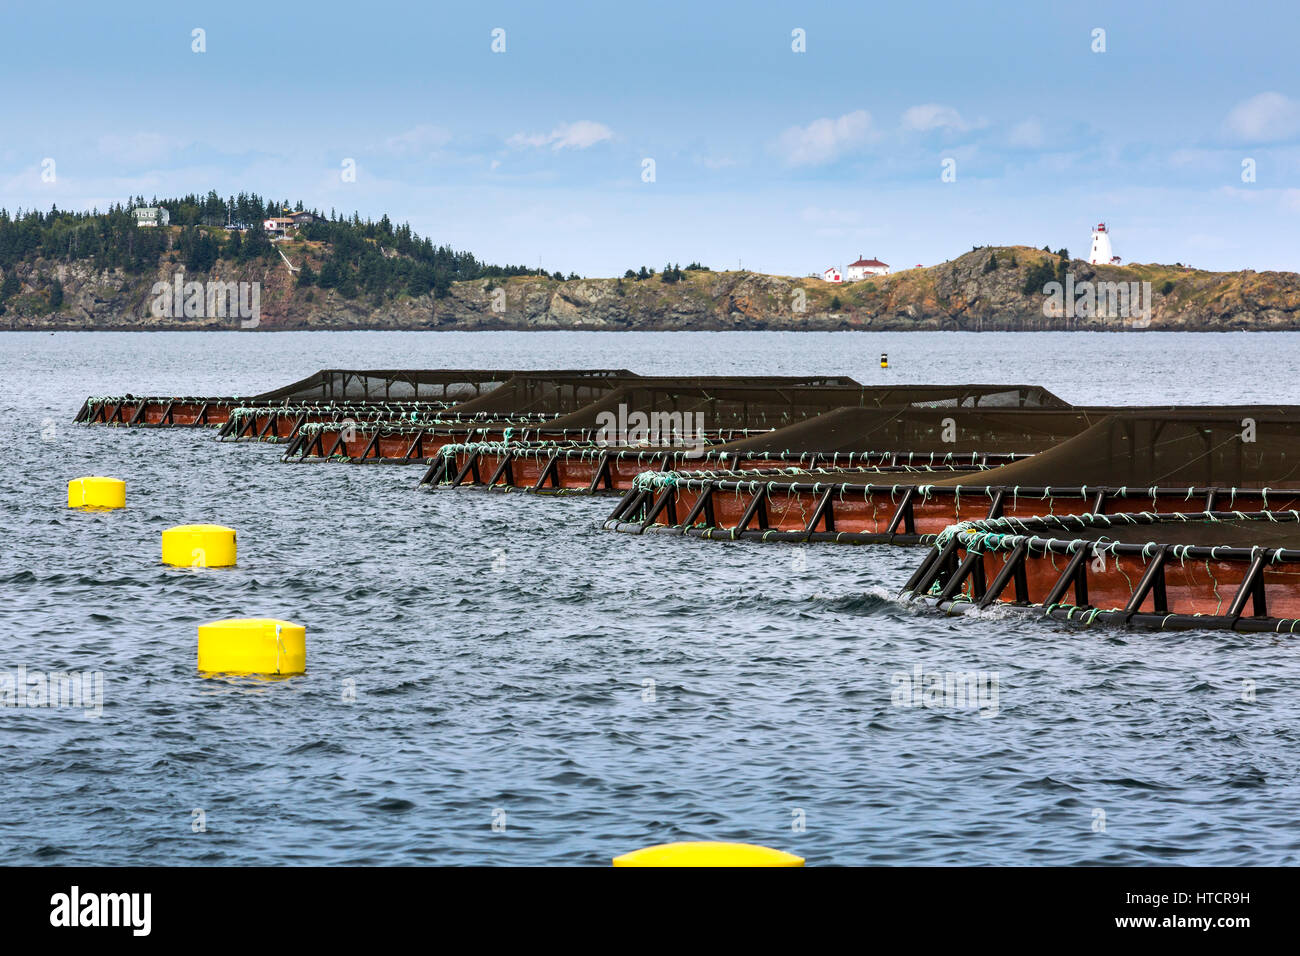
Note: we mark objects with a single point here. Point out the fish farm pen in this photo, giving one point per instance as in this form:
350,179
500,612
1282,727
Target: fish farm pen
592,469
1173,517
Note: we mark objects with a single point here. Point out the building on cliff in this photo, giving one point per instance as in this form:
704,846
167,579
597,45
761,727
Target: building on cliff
832,275
152,216
279,227
865,267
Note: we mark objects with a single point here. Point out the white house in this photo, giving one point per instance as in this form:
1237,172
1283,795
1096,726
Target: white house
864,268
1102,254
279,227
152,216
832,275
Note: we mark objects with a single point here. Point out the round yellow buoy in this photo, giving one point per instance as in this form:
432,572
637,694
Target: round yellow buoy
199,546
705,853
253,646
96,492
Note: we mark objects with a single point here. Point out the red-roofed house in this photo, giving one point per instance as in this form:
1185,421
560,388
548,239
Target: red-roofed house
865,267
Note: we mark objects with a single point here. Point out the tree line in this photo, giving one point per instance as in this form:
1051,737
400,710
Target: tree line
363,256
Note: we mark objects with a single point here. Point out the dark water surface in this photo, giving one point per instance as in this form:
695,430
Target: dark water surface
501,646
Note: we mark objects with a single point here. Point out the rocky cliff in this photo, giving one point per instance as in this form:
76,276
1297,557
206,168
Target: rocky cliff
986,289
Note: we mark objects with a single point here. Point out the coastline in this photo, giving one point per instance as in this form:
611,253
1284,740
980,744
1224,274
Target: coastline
1004,289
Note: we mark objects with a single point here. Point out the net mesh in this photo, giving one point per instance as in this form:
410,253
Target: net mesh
561,394
415,384
925,429
1237,447
764,405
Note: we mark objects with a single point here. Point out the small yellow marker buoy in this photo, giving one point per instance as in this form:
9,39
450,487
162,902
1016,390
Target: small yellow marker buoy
253,646
95,492
706,853
199,546
884,360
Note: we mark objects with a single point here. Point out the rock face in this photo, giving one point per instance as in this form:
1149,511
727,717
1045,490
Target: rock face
983,290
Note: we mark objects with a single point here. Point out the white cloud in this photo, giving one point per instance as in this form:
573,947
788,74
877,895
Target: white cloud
136,148
1288,198
1027,134
1265,117
579,135
419,140
823,140
715,162
830,216
832,222
932,116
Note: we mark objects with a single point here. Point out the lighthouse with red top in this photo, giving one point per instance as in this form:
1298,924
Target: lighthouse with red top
1102,254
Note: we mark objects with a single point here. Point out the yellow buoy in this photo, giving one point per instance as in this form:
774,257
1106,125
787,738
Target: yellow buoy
705,853
96,492
199,546
253,646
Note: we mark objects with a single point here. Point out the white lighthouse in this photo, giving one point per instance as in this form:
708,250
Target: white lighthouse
1102,254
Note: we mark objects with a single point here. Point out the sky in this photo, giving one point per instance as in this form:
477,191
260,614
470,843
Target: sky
594,137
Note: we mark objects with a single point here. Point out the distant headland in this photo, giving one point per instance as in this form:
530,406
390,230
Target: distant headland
203,262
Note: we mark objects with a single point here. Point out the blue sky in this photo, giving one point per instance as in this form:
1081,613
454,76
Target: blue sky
786,162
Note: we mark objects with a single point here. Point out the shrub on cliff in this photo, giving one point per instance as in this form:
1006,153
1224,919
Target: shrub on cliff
1039,274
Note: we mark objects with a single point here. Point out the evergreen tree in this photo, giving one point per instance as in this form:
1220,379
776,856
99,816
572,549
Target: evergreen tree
1038,276
330,274
348,285
202,253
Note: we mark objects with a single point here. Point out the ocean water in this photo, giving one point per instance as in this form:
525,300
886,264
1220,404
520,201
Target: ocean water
532,690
